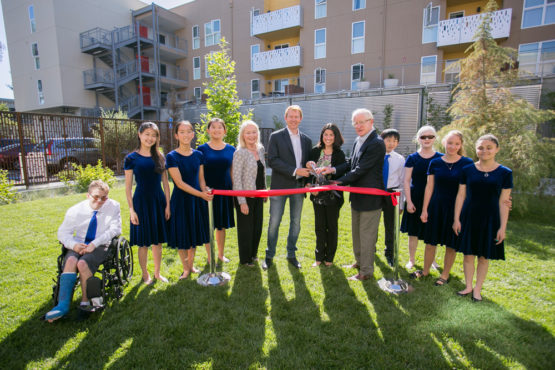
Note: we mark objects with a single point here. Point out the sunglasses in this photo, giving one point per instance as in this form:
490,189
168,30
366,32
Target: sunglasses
427,137
98,197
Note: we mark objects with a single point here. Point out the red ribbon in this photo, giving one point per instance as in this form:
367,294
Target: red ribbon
278,192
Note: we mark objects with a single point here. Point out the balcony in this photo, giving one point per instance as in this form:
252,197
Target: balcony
280,60
278,24
96,41
98,79
461,30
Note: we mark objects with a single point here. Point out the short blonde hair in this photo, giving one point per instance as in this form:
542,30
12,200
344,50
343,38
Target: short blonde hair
99,184
244,125
422,130
358,111
458,134
293,107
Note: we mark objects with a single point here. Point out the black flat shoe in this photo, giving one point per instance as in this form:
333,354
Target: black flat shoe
293,261
267,263
476,299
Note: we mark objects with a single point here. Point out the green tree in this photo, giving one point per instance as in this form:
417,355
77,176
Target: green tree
387,116
483,103
222,99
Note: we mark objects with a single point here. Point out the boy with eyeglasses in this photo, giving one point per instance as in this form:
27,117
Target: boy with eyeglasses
86,232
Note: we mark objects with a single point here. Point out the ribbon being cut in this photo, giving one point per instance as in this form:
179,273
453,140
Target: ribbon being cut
278,192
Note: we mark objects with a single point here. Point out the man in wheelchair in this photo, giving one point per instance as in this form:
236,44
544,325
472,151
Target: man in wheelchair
86,232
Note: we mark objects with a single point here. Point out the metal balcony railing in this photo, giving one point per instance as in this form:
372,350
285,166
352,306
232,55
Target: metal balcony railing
462,30
96,36
277,59
98,76
277,20
174,42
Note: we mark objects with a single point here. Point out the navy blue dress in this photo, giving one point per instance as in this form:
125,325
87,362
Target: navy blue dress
480,217
411,222
149,202
442,203
217,174
188,225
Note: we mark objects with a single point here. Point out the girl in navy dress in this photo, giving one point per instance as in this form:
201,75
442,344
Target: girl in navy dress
188,226
481,213
149,207
416,169
218,157
439,204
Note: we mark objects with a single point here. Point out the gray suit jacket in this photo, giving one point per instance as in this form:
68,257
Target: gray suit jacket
281,159
245,169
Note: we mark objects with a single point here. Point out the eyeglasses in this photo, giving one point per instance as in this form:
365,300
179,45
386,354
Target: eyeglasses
99,198
361,122
427,137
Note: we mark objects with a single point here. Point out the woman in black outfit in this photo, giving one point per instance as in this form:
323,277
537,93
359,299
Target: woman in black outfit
322,159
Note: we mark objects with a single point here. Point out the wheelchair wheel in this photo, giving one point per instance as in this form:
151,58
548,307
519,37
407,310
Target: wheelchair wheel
124,261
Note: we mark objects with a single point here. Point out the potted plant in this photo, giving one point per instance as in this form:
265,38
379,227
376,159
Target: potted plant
363,84
390,81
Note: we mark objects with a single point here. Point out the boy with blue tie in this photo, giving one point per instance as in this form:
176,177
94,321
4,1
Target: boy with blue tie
393,175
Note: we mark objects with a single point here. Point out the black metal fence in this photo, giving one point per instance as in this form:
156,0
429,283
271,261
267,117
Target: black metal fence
36,148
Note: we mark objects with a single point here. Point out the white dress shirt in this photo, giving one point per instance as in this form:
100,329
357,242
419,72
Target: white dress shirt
76,223
359,141
297,148
396,174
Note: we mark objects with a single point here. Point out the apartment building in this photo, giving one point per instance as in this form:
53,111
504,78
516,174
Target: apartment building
123,53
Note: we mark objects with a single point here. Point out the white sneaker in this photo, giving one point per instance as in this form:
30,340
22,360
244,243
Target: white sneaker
435,266
409,265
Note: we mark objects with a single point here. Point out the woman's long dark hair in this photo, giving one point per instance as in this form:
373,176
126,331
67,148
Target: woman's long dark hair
157,157
338,140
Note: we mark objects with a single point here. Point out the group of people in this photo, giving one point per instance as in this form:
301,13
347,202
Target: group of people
450,200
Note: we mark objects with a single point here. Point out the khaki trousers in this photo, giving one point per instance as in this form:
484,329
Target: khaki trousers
364,226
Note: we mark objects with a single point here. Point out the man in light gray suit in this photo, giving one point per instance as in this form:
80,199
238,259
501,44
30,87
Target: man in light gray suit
288,151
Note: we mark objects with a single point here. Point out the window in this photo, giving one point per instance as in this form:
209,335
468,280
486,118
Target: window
196,93
196,37
357,38
35,53
212,33
279,85
357,74
32,18
455,15
255,49
254,13
319,80
255,89
320,8
163,69
162,39
452,70
537,58
430,21
281,46
428,70
359,4
538,13
196,68
320,43
206,73
40,93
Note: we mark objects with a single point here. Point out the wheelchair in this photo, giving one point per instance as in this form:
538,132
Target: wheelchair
115,271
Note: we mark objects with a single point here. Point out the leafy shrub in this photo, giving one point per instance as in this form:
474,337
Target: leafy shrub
7,194
81,177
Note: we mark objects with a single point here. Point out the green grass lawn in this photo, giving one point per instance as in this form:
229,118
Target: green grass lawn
283,318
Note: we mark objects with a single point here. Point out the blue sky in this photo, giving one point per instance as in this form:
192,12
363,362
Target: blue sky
5,77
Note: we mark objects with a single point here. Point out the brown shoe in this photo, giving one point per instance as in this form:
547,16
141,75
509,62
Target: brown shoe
353,266
360,277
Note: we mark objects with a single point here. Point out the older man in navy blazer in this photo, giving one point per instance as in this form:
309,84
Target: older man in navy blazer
364,169
288,151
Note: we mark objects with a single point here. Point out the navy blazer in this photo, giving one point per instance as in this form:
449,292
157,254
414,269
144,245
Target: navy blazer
365,171
281,159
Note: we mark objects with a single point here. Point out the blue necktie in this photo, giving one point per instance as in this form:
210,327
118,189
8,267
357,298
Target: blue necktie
91,231
386,170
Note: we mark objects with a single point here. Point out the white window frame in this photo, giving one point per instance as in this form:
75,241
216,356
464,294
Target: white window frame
212,37
358,38
252,54
320,4
196,70
32,18
36,58
453,73
281,46
451,14
282,83
424,76
362,5
255,94
319,80
320,48
543,8
539,62
430,28
196,39
40,91
195,95
361,75
254,13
